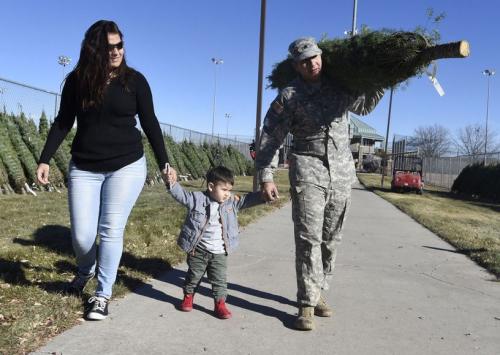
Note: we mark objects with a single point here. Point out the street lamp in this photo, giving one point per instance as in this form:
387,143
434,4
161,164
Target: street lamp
63,60
488,73
228,116
216,61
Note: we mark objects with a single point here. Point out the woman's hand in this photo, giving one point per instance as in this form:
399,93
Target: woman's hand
169,175
42,173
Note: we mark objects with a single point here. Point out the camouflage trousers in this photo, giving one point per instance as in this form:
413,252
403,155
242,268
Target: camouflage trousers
318,214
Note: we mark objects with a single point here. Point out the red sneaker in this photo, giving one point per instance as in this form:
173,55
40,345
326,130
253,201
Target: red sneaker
187,303
221,310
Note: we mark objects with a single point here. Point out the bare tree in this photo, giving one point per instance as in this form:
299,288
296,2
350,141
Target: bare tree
431,141
471,140
493,144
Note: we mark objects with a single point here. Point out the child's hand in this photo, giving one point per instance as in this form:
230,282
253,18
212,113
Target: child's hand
169,175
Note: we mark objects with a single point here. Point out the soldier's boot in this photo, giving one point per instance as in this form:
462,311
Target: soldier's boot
305,318
322,309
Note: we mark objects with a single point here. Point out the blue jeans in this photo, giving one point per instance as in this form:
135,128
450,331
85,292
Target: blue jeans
99,204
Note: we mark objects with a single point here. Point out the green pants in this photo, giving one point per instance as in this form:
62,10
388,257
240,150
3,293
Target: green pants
214,264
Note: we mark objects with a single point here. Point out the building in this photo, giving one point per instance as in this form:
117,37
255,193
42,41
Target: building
364,139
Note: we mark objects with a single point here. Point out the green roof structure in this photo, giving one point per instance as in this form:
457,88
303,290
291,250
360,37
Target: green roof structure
363,130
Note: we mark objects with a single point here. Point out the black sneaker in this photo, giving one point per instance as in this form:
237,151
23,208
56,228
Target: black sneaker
78,283
98,308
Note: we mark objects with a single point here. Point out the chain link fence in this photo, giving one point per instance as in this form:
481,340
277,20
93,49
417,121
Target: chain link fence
180,134
438,171
443,171
17,98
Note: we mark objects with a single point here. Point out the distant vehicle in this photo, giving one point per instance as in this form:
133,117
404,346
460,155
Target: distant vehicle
407,174
251,147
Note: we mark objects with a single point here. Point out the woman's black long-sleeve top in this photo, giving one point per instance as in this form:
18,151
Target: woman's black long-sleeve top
107,138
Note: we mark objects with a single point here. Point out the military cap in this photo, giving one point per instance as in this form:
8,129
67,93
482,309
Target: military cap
303,48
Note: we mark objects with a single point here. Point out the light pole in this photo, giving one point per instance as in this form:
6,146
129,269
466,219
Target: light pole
354,15
228,116
488,73
62,60
216,61
260,79
2,92
387,138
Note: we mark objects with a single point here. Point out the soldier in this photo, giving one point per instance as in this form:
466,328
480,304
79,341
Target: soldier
321,171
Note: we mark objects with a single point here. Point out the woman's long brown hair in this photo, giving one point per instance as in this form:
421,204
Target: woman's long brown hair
93,69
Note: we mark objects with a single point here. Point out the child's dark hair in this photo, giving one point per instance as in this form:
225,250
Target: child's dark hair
220,174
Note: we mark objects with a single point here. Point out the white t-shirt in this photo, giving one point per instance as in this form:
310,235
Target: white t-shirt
211,239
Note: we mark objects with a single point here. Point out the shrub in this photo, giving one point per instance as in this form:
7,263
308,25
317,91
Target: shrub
478,180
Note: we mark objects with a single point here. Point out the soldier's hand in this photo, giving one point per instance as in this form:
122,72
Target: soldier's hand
269,191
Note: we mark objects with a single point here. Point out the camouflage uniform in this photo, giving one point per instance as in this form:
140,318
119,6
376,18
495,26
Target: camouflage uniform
321,172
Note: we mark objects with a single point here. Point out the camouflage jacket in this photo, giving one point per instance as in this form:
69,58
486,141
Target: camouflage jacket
317,117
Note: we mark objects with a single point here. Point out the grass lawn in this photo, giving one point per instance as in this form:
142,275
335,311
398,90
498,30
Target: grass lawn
36,258
471,226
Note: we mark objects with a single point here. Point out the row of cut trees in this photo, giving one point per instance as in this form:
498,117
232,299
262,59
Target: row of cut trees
21,143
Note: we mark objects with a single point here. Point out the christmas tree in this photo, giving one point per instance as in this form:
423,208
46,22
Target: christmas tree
373,60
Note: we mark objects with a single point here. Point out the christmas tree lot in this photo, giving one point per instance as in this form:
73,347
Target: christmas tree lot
373,59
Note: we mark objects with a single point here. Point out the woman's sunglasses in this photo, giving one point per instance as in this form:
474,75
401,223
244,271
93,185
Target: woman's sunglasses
118,46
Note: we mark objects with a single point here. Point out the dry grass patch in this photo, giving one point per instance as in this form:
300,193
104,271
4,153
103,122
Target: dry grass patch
36,258
471,226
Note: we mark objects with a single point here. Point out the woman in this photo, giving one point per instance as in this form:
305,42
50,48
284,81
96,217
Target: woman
108,169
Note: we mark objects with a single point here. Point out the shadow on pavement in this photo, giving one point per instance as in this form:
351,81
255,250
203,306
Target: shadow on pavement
461,251
57,239
176,277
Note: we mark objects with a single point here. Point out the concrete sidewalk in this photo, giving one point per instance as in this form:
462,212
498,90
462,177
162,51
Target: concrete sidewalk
398,289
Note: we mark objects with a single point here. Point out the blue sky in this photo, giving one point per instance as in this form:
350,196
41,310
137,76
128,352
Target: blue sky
172,43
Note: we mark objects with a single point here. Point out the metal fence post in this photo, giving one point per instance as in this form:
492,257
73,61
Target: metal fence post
55,106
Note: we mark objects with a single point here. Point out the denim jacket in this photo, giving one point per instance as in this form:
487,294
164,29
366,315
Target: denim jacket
198,205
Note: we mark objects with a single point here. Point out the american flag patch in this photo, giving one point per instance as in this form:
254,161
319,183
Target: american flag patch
277,107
